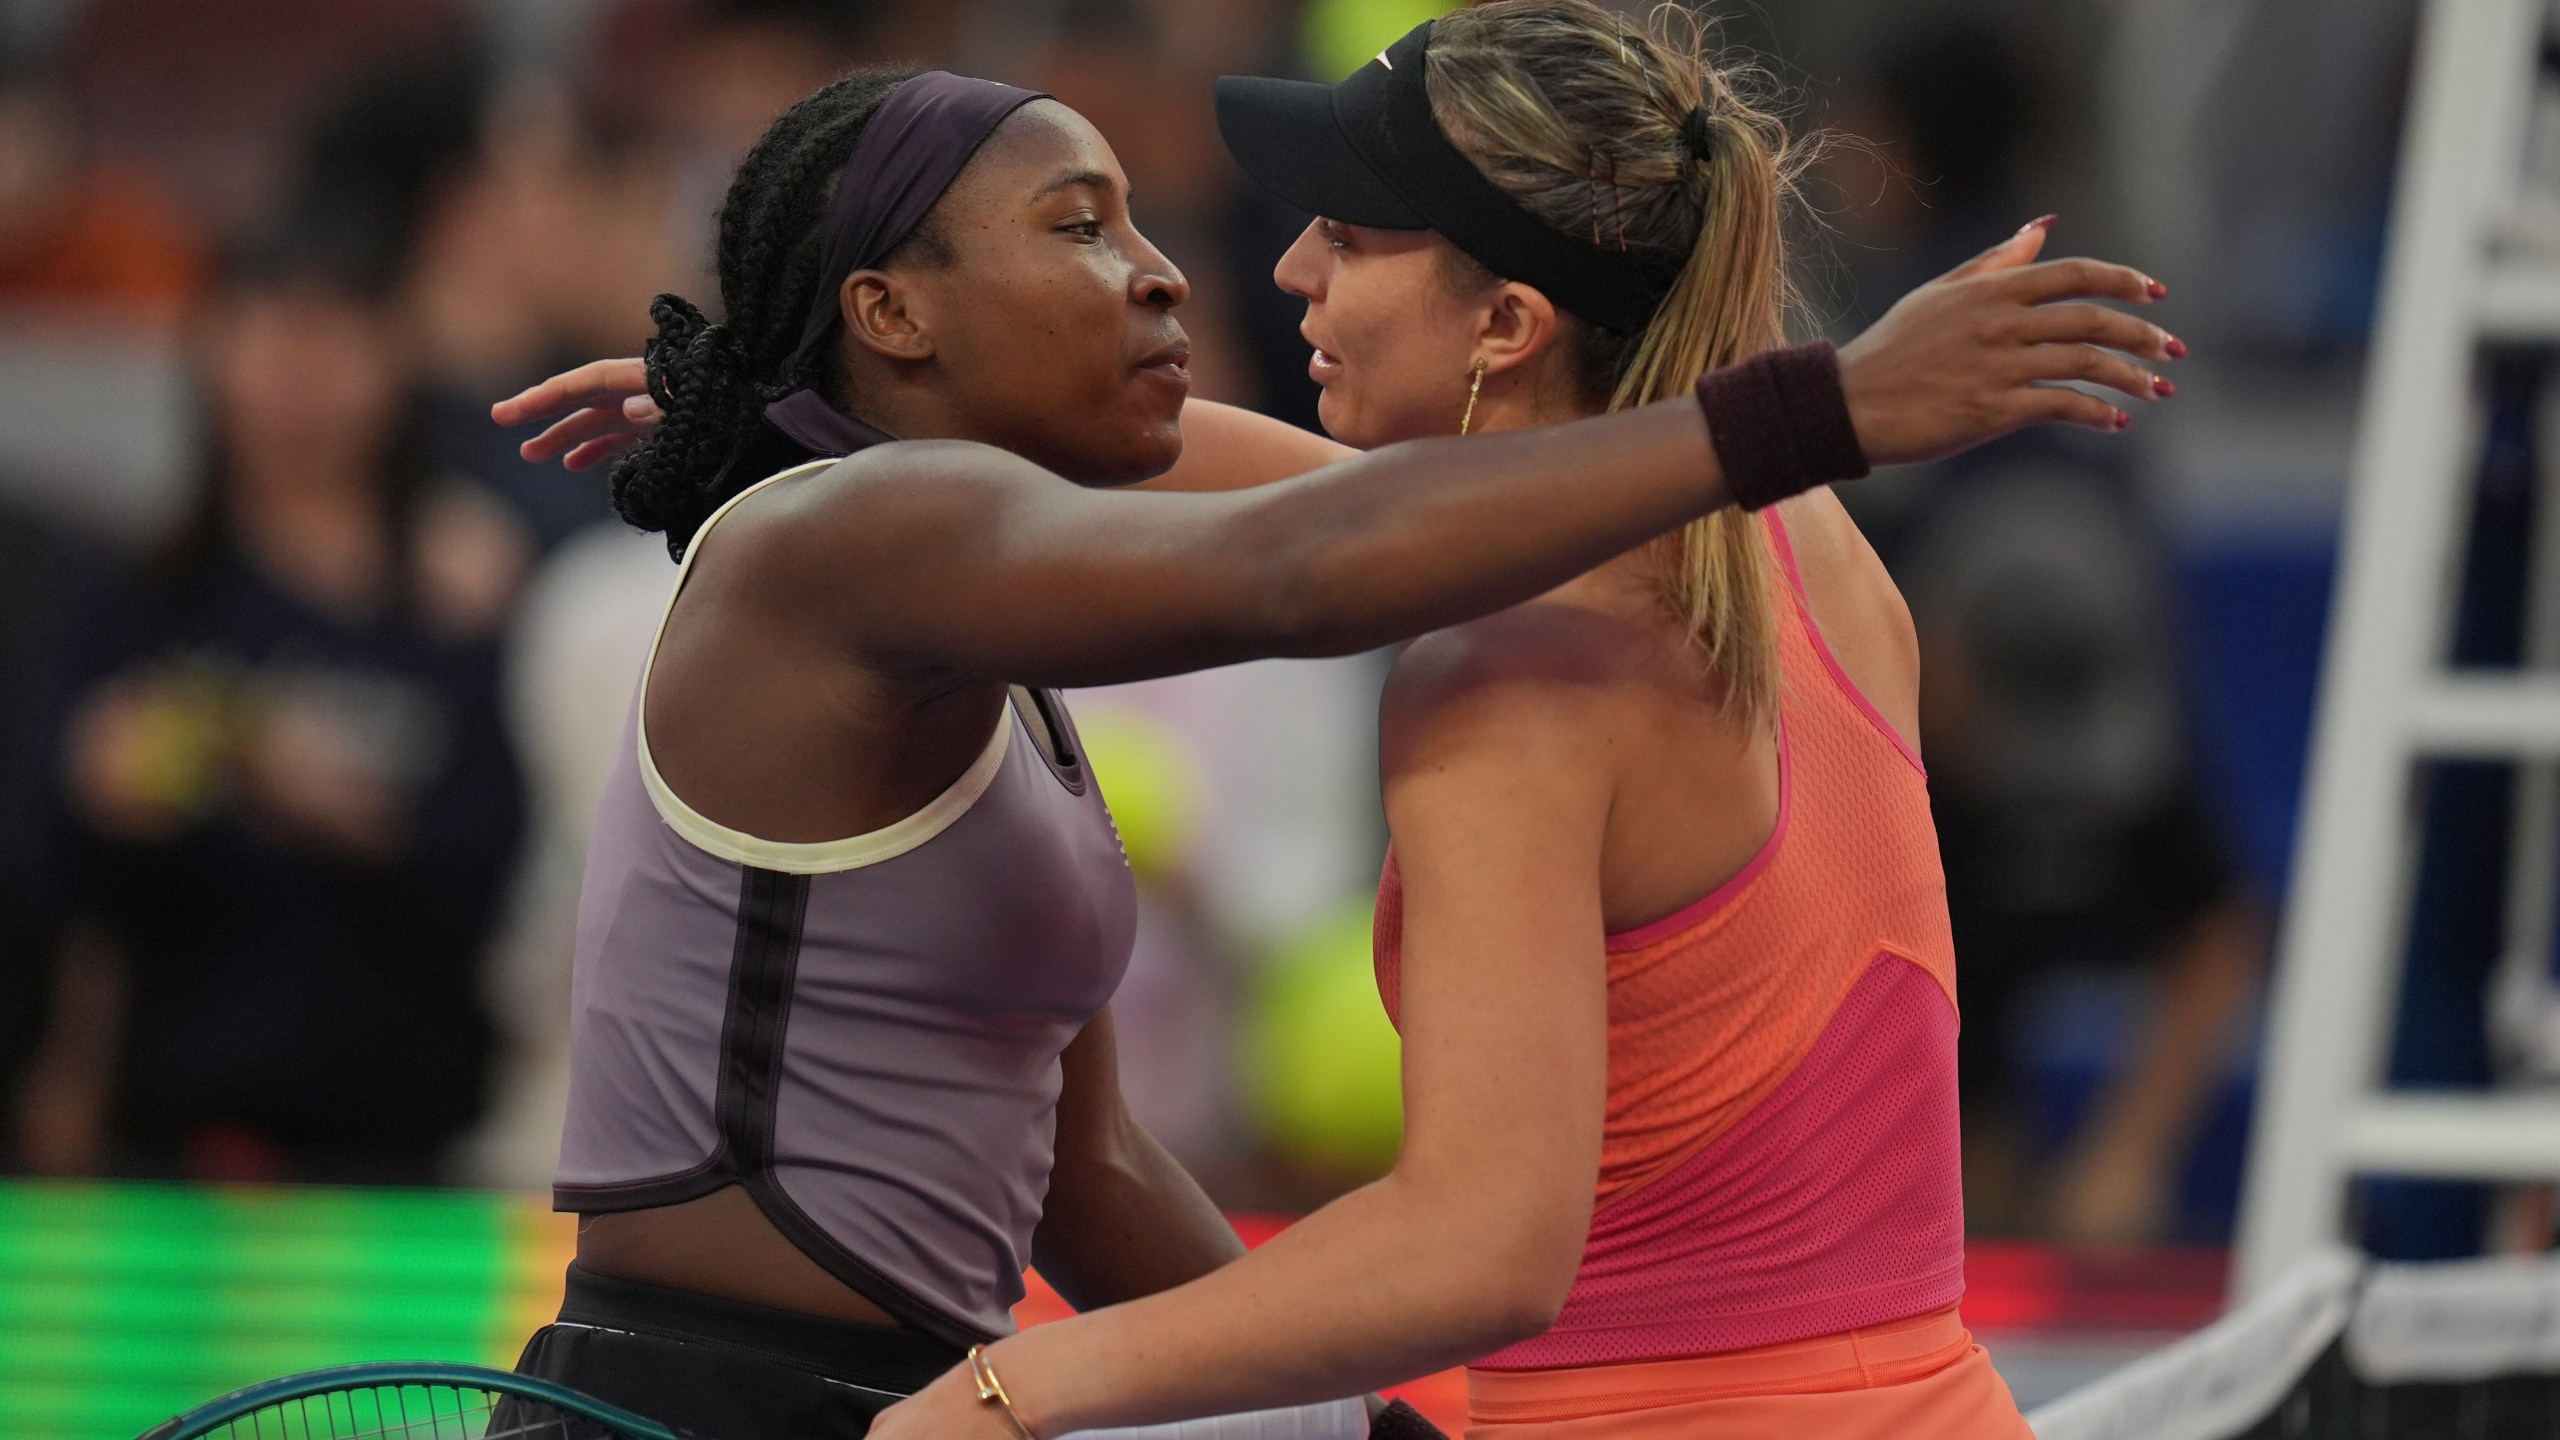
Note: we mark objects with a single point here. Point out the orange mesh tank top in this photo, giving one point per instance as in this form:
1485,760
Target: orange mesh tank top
1780,1155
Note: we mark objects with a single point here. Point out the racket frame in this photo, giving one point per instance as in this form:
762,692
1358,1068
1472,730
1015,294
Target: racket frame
208,1418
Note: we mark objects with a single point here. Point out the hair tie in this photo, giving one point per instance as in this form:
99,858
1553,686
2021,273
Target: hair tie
680,323
687,340
1698,131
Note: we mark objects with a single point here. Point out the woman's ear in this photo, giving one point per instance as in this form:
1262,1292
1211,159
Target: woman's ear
879,317
1519,325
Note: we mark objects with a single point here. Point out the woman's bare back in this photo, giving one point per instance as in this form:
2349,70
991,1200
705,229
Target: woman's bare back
1697,794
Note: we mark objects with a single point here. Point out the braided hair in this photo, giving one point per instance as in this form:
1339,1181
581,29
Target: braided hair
714,380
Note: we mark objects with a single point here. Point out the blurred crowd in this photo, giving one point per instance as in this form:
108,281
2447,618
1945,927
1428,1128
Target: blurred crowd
307,682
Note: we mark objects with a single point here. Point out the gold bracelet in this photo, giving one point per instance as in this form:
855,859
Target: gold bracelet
991,1390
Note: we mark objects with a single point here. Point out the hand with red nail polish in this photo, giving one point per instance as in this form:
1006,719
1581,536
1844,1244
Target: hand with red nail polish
2001,343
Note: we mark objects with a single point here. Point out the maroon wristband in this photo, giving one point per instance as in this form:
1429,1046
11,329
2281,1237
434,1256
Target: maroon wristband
1780,424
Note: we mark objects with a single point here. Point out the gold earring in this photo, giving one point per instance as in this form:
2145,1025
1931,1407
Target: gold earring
1475,387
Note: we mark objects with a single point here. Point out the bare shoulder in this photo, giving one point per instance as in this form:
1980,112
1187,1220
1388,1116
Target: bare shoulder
1855,603
886,499
910,475
1549,670
809,551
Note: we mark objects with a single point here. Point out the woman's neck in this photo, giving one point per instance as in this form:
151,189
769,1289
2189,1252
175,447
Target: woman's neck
1629,581
1525,406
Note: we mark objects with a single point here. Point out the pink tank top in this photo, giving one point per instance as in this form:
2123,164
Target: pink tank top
1780,1156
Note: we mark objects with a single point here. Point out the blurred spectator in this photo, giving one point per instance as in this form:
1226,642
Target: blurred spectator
1945,119
750,60
707,76
537,241
208,94
561,205
2078,840
80,239
294,806
97,268
53,584
573,666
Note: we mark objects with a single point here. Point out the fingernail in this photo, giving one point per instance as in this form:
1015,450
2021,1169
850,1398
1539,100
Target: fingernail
2041,222
2176,347
2158,290
2123,421
2160,386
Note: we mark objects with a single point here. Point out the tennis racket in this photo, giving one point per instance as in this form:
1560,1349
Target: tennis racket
414,1401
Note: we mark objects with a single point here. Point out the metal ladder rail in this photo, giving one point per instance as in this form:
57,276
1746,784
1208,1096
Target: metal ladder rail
2522,994
2385,700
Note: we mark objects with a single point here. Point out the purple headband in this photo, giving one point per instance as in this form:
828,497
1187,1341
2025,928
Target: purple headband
911,150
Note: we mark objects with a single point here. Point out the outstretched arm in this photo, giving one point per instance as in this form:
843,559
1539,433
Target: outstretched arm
942,557
958,558
1225,448
1497,800
603,408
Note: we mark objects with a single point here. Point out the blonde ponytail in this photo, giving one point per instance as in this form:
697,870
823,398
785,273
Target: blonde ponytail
1629,134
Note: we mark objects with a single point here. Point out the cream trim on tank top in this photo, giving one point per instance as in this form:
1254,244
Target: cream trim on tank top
814,857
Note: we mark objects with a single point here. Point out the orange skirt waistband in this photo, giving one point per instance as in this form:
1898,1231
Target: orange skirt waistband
1888,1354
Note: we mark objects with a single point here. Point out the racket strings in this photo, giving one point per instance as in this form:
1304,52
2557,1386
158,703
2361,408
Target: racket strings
411,1412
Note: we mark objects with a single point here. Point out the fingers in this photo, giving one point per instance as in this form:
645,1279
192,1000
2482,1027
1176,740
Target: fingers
605,406
597,381
2017,250
596,452
2058,405
2077,279
579,428
2097,325
2092,366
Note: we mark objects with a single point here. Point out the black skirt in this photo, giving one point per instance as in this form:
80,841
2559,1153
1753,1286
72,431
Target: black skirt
725,1370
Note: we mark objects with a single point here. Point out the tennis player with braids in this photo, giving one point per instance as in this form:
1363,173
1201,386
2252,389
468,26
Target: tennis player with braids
842,1059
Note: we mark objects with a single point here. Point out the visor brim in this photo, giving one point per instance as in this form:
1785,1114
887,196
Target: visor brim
1285,135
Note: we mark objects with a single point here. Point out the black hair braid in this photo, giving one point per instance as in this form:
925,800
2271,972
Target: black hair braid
714,380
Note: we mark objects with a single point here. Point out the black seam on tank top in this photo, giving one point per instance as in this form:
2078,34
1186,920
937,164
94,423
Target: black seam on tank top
1050,713
763,968
829,1252
710,1176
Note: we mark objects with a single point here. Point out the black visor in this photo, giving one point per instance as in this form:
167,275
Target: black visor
1368,152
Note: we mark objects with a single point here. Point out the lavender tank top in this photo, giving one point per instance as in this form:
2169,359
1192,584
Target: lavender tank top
863,1033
